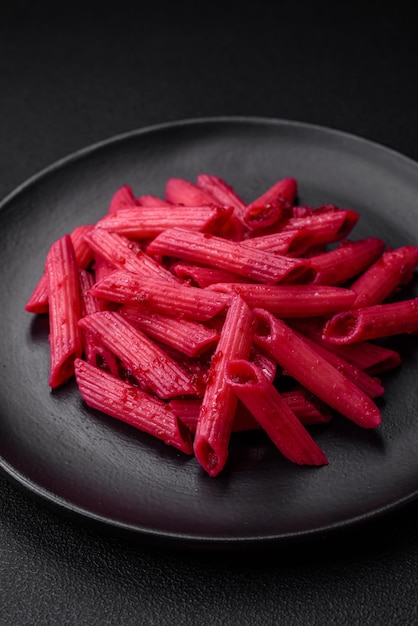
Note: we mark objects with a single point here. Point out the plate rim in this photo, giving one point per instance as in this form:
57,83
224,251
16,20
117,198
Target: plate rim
90,148
38,491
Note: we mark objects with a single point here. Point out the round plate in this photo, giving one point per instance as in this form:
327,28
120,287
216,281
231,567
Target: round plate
93,465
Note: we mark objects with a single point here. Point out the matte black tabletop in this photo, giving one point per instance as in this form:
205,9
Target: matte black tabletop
75,76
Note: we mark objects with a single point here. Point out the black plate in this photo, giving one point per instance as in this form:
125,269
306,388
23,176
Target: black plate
92,465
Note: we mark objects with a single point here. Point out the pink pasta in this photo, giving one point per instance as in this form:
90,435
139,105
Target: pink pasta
373,322
273,413
127,403
313,371
38,302
122,253
163,297
143,222
122,198
199,313
271,206
64,310
221,192
291,301
395,268
219,403
220,253
191,338
346,261
152,368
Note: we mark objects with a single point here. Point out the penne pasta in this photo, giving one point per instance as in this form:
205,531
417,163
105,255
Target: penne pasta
373,322
153,369
291,301
189,337
121,400
273,413
122,198
163,297
221,192
38,301
365,355
291,242
197,315
271,206
327,224
312,371
371,386
124,254
182,191
64,310
219,403
234,257
152,200
393,269
308,409
346,261
95,352
203,276
144,222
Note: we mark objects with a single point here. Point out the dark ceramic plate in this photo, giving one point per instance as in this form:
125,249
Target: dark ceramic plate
92,465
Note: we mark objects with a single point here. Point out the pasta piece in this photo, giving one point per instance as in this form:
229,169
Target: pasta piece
230,256
272,205
188,410
393,269
122,198
219,402
144,222
64,310
203,276
373,322
286,188
221,192
189,337
117,398
312,371
154,370
308,409
233,229
264,361
273,413
101,268
291,301
158,295
89,304
83,252
182,191
151,200
122,253
38,301
369,385
348,260
365,355
95,352
327,224
291,242
261,216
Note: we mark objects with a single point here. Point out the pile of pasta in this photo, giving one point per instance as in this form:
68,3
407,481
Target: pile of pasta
197,314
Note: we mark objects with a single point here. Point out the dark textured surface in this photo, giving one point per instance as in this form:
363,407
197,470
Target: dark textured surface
73,79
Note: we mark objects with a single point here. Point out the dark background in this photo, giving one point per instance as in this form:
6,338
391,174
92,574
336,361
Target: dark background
72,74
